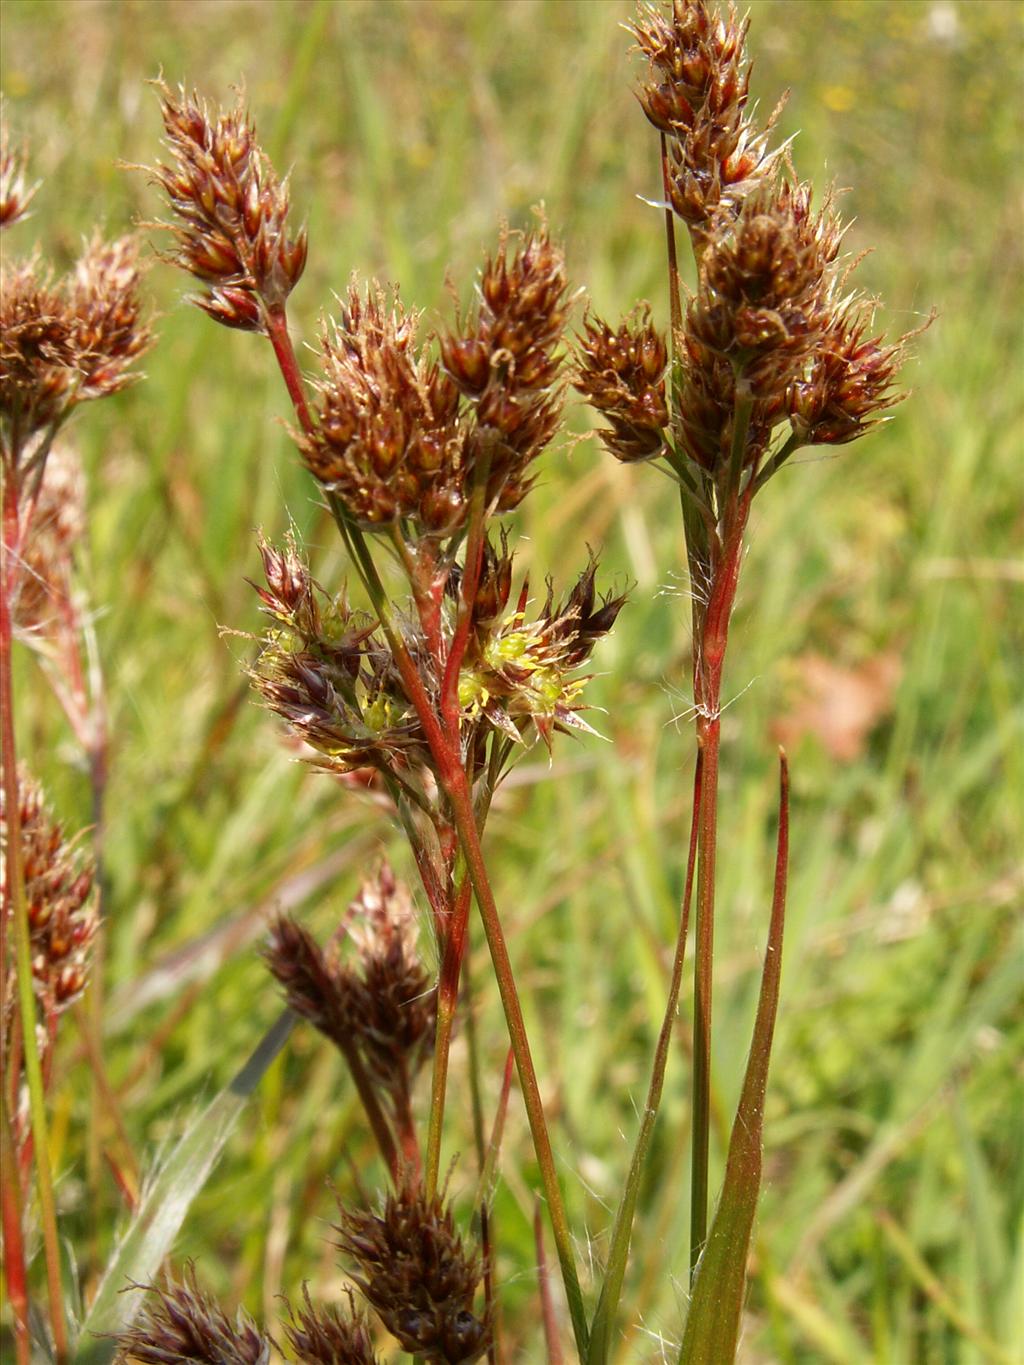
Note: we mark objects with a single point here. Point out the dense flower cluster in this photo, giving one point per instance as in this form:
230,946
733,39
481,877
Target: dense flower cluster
232,211
415,1269
402,436
61,913
696,94
378,1000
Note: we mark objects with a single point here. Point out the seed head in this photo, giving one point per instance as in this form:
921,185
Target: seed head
66,343
766,287
232,211
37,352
108,333
622,375
324,670
852,378
696,93
380,1000
58,881
415,1271
506,361
328,1335
387,438
181,1322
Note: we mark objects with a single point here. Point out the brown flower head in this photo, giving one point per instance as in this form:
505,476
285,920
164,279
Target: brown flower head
379,998
622,375
58,881
766,286
506,360
107,332
232,211
181,1322
852,378
329,1335
15,194
415,1271
37,352
64,344
387,439
696,93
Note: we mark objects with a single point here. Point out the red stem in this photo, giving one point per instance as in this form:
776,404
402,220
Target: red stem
14,1246
547,1302
447,1003
444,748
375,1115
457,788
708,663
277,331
14,904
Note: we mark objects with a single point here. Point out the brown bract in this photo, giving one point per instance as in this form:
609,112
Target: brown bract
232,211
416,1272
506,359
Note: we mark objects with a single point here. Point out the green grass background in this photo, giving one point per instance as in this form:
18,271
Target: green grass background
411,130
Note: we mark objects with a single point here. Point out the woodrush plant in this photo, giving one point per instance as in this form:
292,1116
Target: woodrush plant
419,446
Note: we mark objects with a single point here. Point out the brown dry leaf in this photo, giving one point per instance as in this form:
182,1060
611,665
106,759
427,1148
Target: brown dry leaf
839,703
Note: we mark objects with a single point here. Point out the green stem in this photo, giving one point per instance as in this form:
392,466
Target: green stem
742,409
22,947
776,462
618,1254
708,742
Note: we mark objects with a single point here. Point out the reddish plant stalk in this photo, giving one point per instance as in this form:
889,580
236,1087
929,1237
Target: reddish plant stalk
375,1115
547,1302
15,1275
709,659
277,331
611,1289
16,905
457,789
447,1003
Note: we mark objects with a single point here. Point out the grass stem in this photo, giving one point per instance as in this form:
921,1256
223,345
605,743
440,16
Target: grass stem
15,881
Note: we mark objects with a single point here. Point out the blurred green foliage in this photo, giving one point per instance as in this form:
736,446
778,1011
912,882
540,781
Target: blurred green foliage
411,130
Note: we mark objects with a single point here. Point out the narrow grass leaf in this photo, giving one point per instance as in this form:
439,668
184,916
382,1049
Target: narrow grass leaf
165,1205
712,1327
